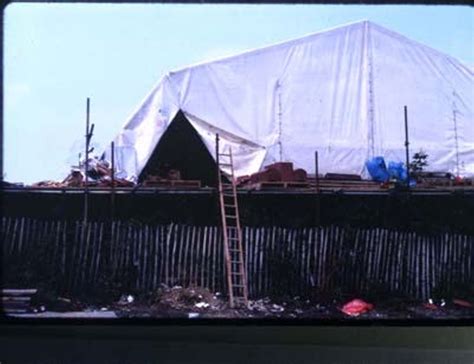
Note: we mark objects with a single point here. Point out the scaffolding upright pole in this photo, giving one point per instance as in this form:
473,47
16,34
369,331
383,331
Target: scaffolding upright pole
112,196
316,181
406,147
86,178
217,159
217,174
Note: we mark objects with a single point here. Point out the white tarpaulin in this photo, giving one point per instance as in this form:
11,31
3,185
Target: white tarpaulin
340,92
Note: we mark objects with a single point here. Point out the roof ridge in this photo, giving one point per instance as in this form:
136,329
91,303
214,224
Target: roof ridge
274,45
310,36
412,41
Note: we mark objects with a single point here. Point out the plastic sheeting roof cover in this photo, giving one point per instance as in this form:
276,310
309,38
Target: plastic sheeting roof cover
340,92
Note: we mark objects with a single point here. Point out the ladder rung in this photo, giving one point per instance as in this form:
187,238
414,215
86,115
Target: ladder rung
238,285
225,154
225,164
225,205
231,216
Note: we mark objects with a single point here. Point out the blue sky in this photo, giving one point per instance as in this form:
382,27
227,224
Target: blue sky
57,55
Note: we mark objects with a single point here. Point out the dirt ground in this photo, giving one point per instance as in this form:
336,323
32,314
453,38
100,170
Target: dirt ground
196,303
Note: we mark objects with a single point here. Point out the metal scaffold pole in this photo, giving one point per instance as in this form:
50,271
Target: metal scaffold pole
86,179
112,177
406,147
316,181
88,136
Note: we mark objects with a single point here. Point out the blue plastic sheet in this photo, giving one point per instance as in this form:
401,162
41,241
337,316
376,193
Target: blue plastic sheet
377,169
397,171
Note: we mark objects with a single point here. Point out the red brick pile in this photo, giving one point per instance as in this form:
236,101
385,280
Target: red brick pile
276,172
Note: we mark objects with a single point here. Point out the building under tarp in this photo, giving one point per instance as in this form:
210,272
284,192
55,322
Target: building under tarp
340,92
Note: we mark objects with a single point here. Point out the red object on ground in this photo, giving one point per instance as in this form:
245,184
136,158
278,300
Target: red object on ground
430,306
356,307
243,179
458,181
278,172
285,170
269,175
300,175
462,303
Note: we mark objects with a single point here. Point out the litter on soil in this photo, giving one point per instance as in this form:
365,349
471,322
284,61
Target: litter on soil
178,297
197,303
356,307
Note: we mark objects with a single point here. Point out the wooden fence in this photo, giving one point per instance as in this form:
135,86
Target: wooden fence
134,257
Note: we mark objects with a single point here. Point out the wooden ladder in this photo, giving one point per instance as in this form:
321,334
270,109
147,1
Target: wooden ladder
233,247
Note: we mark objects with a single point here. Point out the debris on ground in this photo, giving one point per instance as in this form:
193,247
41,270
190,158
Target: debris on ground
68,315
17,300
126,299
276,308
99,173
430,306
48,183
462,303
75,179
181,298
202,305
199,303
259,305
276,172
356,307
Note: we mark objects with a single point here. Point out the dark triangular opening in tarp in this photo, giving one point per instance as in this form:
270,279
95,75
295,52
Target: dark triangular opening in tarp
181,148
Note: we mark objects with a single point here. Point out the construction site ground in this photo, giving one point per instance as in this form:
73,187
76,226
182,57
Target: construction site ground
198,303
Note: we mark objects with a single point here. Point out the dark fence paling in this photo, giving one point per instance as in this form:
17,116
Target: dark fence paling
78,257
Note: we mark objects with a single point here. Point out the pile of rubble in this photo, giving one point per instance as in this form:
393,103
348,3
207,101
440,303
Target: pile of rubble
99,174
167,177
189,299
276,172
